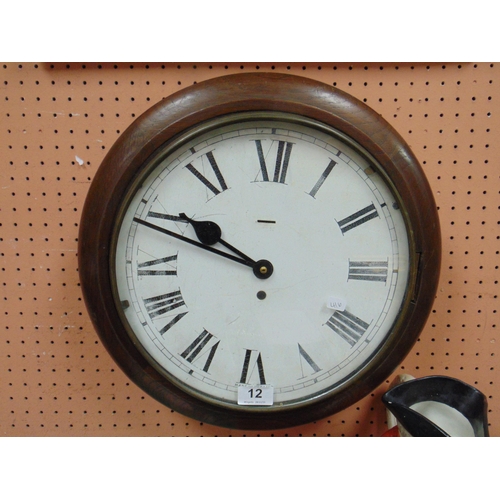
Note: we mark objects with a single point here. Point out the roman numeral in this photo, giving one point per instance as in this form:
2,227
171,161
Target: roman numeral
252,358
281,164
303,355
368,270
204,180
172,322
196,349
358,218
161,304
349,327
323,177
157,272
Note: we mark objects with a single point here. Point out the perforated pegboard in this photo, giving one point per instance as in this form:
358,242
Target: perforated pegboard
57,122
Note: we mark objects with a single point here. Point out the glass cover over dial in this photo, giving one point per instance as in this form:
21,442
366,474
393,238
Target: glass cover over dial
261,251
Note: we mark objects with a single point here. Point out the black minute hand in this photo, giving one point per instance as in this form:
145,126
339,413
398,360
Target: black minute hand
249,263
262,268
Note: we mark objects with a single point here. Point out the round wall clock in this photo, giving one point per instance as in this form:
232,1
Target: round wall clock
259,251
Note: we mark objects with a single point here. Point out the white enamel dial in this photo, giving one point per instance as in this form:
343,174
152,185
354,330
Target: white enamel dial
289,194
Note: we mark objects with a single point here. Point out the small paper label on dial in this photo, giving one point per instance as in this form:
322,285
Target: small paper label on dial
336,303
255,395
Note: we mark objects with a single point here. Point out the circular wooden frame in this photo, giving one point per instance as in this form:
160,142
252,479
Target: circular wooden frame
218,98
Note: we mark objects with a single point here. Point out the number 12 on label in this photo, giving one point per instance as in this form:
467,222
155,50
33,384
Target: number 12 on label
257,395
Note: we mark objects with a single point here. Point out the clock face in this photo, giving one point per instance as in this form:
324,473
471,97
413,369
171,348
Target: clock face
261,251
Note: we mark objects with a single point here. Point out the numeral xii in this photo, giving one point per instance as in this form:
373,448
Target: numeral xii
281,164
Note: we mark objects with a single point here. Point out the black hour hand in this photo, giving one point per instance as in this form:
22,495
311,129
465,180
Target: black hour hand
208,232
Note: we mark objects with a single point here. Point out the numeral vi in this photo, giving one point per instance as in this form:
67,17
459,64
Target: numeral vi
252,359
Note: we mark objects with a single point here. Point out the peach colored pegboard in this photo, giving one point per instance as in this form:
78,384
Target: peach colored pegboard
57,122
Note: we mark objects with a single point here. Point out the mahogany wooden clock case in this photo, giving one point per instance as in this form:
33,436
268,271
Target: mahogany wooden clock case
259,251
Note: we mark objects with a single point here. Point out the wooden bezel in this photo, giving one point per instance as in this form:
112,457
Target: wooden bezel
218,98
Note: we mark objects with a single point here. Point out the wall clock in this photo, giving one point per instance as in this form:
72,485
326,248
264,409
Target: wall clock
259,251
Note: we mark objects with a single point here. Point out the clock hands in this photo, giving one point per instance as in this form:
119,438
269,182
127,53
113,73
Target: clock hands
246,262
209,233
